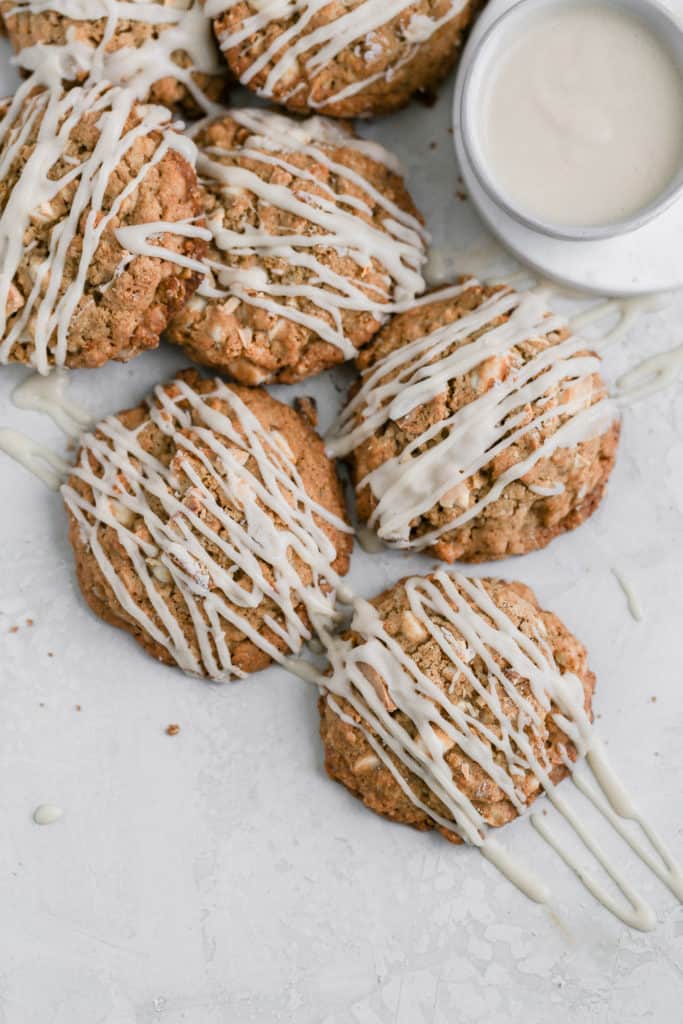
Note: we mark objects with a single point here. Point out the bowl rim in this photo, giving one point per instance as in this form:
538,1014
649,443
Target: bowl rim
650,12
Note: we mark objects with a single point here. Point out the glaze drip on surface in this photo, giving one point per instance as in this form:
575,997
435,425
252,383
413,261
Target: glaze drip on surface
37,458
478,627
48,395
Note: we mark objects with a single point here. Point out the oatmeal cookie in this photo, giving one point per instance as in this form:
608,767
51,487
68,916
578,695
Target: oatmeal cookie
314,239
442,708
210,525
356,59
99,239
165,50
481,426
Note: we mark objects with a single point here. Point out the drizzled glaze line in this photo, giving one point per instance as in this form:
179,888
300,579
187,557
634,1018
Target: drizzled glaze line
486,631
629,593
314,48
652,375
44,316
124,478
179,27
397,245
35,457
48,395
432,465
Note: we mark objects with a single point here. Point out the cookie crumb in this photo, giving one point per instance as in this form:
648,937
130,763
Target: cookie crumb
653,700
427,97
78,707
461,195
13,629
29,622
307,407
173,729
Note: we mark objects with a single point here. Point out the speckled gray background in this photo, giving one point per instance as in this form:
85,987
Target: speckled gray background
217,877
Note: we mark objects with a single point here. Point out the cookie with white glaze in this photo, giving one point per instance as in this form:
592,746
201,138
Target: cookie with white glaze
100,241
453,703
480,428
314,240
356,59
165,50
210,525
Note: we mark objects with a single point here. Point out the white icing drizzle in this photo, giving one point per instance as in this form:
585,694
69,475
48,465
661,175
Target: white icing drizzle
368,540
48,395
179,27
652,375
486,260
44,316
125,477
398,246
483,629
436,468
547,492
36,457
620,806
629,593
627,310
524,878
313,48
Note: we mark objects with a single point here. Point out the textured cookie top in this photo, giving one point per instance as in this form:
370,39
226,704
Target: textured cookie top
453,703
164,49
314,241
481,426
99,243
354,59
209,524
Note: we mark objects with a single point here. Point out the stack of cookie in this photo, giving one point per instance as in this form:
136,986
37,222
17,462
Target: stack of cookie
209,522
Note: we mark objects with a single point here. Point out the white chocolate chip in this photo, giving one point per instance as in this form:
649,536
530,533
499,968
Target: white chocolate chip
365,764
276,330
412,629
121,513
457,496
160,572
42,213
492,370
239,455
378,685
